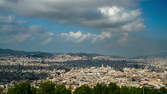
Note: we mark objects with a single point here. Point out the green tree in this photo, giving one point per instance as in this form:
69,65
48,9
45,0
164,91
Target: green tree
134,90
34,90
113,88
124,90
100,89
163,90
61,89
1,90
83,90
20,88
46,87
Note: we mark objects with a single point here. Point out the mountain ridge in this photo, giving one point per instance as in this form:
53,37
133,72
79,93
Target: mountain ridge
39,54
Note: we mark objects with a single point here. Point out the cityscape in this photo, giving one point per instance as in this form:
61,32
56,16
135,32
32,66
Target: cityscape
83,46
77,69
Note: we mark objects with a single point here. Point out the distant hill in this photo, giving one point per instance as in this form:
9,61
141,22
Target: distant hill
9,52
161,54
84,54
38,54
155,55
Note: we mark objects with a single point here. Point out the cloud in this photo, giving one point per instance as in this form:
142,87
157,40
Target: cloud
12,31
107,15
17,34
78,37
6,20
16,31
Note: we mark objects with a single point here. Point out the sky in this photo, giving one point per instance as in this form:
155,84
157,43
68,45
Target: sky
108,27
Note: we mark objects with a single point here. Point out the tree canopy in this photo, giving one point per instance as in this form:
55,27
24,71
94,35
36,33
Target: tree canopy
48,87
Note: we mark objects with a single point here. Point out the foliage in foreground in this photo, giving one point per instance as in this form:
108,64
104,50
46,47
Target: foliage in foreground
1,90
48,87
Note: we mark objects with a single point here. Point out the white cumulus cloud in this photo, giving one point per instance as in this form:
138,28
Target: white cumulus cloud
78,37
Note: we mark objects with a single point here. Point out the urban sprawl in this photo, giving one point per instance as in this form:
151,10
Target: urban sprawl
75,70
